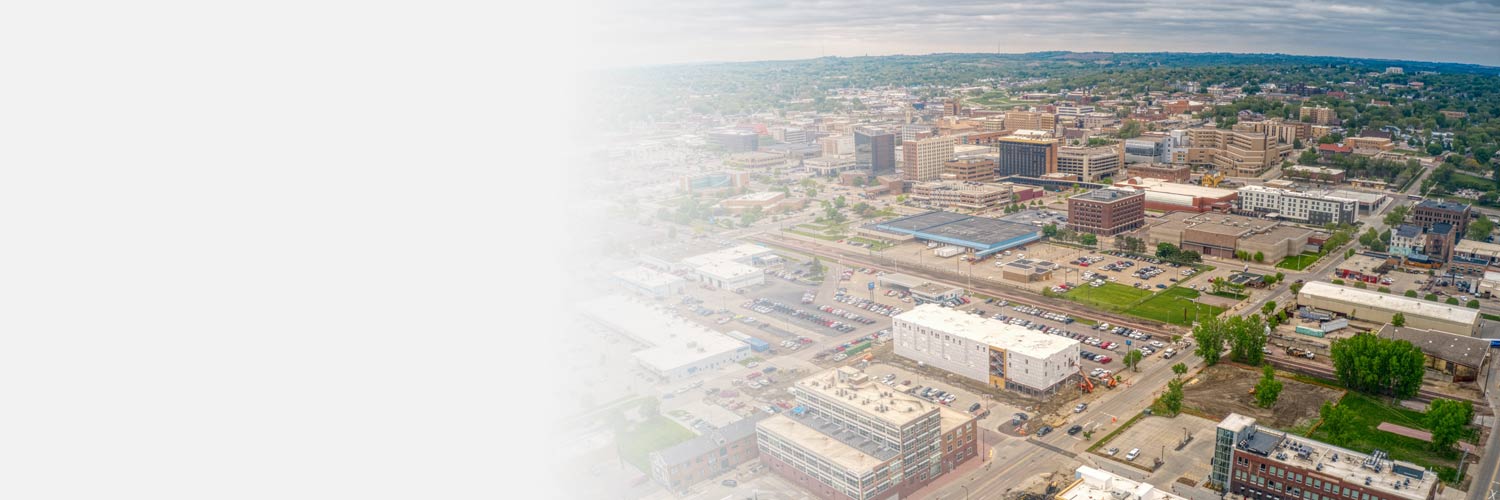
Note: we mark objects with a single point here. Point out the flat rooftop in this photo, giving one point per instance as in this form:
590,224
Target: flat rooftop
647,277
979,233
764,196
1099,484
1463,350
1349,466
727,269
853,388
1364,197
1363,263
1447,206
1107,195
1395,303
673,341
734,253
826,439
996,333
1479,247
1162,186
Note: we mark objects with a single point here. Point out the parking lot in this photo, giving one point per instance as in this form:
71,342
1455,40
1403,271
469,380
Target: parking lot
1147,273
1102,349
1157,437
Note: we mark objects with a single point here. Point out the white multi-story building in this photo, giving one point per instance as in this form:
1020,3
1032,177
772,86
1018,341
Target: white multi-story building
829,165
1312,207
924,159
986,350
1090,163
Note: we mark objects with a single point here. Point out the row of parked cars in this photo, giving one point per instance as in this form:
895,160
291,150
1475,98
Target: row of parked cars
1096,357
1036,311
1149,272
846,315
868,305
931,394
1123,331
767,306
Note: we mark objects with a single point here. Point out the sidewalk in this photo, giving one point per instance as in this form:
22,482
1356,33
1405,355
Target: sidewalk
963,474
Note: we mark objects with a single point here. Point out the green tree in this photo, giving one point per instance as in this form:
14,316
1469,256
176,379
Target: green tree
1431,296
1260,257
1180,369
1472,304
1166,251
1268,308
1209,334
1339,422
1448,420
1129,130
1296,287
1171,400
1479,229
1133,359
1268,389
1411,293
1374,365
1247,338
1088,239
1308,157
1050,230
1452,301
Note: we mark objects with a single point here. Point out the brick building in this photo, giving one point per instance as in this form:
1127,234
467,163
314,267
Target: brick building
681,466
1429,212
1265,464
1107,212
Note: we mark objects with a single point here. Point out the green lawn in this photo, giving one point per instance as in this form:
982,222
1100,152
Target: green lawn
1292,262
652,435
1371,411
1164,306
1176,305
874,245
1111,296
1230,295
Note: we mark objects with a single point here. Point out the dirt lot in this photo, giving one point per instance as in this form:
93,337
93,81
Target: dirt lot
1223,389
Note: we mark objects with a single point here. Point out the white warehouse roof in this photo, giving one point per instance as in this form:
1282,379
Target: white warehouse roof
997,333
674,341
1393,303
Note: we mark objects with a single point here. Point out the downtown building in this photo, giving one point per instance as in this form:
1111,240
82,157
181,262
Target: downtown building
925,159
1107,212
971,169
1430,212
1245,151
1089,164
1259,463
986,350
874,151
852,438
1317,208
1025,156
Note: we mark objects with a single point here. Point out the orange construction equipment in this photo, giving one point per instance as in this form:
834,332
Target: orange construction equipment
1087,385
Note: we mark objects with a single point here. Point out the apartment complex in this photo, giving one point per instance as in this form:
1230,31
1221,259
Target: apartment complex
1245,151
851,438
1312,207
1430,212
1318,115
874,151
972,169
986,350
1025,156
1256,462
1090,164
925,159
1107,212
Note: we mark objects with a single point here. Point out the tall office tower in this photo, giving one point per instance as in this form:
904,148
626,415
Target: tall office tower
875,151
1026,157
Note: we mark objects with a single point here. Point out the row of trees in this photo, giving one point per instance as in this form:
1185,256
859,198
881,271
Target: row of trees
1245,336
1065,234
1375,365
1170,253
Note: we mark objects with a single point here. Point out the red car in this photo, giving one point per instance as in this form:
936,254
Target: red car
1104,360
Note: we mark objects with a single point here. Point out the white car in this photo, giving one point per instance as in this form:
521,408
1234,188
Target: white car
1134,452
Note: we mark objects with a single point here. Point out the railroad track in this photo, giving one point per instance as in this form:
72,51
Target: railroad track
850,258
1481,406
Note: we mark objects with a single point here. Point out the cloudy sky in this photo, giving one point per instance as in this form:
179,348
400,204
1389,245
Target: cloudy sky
643,32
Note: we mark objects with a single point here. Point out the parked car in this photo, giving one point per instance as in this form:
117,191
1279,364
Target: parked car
1134,452
1080,407
1046,429
730,483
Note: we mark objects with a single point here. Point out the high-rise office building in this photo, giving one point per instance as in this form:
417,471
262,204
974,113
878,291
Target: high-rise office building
1030,120
1107,212
1025,156
923,159
875,151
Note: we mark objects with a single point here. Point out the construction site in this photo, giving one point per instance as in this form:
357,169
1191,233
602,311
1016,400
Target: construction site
1227,388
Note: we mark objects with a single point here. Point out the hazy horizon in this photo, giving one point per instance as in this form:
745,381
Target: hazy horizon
641,33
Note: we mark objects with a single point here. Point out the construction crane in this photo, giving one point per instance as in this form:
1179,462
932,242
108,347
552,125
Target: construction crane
1213,179
1087,385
